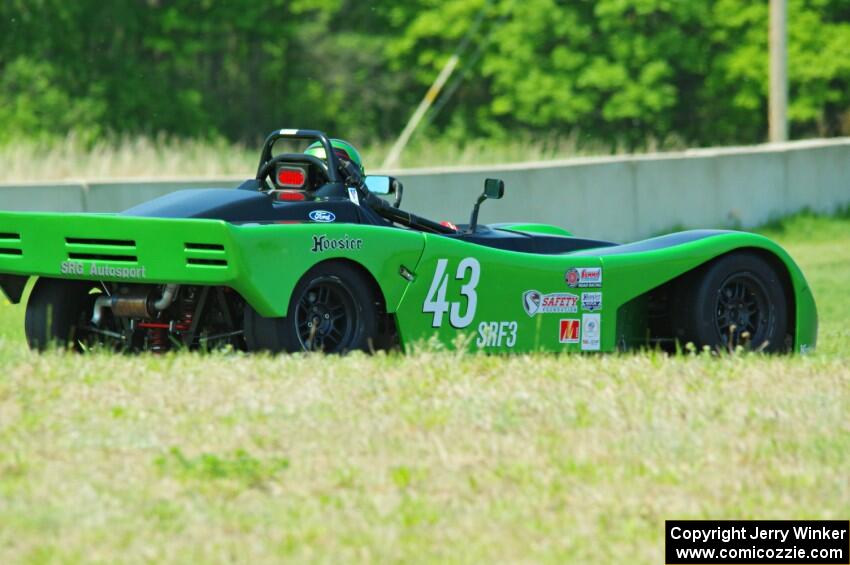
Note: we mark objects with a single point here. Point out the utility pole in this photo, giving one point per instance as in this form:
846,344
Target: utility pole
397,148
778,113
417,116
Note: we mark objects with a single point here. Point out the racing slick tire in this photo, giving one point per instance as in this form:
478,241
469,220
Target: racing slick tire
56,312
332,309
736,300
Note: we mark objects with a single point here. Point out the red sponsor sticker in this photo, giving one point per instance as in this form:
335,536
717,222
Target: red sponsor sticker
569,331
584,277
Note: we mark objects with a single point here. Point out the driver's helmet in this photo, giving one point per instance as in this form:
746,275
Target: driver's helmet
343,150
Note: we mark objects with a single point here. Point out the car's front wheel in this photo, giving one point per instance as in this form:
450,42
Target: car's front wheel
736,300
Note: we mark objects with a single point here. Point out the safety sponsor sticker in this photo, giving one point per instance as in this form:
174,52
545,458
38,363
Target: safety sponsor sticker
590,326
535,302
322,216
324,243
591,301
584,277
569,331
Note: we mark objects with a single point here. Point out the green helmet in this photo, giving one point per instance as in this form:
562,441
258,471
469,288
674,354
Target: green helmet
342,149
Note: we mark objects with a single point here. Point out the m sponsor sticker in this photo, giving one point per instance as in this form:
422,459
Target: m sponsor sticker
591,301
590,331
569,331
535,302
584,277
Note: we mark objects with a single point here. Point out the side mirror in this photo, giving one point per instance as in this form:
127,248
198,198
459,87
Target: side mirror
379,185
493,188
385,186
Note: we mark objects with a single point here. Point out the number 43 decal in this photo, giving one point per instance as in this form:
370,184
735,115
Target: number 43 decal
435,302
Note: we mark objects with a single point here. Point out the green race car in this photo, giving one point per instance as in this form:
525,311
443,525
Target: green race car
310,255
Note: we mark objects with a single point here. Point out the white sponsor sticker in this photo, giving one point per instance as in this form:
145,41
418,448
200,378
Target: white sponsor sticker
352,195
590,331
584,277
535,302
591,301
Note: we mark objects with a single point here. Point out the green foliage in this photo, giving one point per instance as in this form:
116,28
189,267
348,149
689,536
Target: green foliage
621,72
240,467
32,104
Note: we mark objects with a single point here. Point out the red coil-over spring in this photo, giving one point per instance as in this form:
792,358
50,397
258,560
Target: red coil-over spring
157,340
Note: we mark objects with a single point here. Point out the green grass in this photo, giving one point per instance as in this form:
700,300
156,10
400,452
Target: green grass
422,458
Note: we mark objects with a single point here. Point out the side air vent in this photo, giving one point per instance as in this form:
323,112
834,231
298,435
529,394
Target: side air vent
103,257
100,242
204,247
205,254
9,243
207,262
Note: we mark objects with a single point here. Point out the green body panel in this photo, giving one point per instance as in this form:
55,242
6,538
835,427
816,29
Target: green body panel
274,257
46,241
498,297
633,274
505,276
456,289
262,262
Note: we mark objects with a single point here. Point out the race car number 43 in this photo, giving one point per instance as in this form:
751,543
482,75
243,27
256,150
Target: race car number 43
468,271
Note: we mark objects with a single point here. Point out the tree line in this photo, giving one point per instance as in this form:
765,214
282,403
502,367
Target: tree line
623,72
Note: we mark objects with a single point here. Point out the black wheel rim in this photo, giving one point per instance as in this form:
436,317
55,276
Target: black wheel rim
743,314
326,316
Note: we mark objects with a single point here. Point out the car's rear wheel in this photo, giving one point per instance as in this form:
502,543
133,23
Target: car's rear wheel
736,300
59,314
332,309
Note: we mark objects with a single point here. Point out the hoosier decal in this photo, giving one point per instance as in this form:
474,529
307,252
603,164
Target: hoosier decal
323,243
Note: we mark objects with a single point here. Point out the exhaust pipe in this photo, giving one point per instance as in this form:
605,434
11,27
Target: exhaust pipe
135,304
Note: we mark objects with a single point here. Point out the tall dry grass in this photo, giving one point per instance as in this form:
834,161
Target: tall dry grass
149,157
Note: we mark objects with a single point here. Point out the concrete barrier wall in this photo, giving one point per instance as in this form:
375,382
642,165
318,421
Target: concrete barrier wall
617,198
629,197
